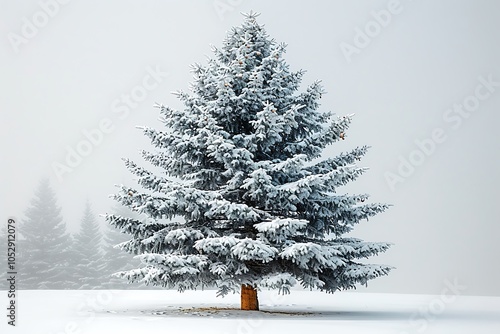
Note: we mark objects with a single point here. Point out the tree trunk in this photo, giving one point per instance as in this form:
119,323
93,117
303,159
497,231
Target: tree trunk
249,301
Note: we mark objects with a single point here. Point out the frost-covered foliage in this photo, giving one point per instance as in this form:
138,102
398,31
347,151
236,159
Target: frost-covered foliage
240,200
115,259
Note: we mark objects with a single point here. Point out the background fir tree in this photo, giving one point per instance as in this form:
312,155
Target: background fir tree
44,245
89,261
246,205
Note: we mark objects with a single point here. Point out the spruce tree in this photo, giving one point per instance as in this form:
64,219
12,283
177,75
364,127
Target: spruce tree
44,246
89,260
241,201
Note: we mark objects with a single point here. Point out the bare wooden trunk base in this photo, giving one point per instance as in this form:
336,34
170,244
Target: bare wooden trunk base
249,300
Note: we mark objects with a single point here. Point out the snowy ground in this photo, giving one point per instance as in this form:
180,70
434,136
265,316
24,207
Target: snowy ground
72,312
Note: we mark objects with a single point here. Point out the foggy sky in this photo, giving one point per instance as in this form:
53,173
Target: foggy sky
103,65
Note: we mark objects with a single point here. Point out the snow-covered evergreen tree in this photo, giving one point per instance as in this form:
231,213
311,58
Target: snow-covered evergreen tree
89,261
244,202
44,245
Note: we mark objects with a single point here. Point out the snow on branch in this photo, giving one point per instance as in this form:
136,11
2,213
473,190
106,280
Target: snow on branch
281,229
281,282
253,250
